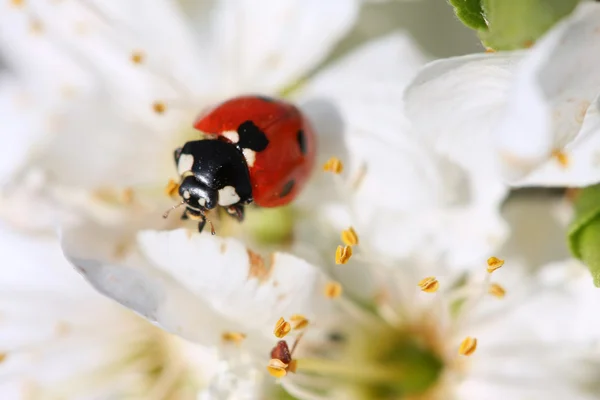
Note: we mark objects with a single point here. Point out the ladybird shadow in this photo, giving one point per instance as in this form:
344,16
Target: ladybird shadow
328,124
329,127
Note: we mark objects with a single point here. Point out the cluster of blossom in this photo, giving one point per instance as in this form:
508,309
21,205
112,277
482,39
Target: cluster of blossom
400,273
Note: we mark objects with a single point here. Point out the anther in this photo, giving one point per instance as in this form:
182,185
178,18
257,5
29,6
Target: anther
343,254
561,157
493,264
333,290
233,337
277,368
468,346
172,188
282,328
298,321
159,107
282,352
496,290
333,165
349,237
137,57
429,284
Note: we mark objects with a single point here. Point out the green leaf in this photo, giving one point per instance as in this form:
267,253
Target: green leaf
517,24
470,12
584,232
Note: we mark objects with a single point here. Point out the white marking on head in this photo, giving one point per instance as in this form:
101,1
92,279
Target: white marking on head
228,196
186,194
185,163
202,201
231,135
250,156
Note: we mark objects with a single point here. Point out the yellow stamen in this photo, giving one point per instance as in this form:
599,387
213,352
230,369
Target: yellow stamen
4,355
497,290
494,263
561,157
429,284
349,237
137,57
172,188
343,254
282,328
333,165
234,337
17,3
277,368
468,346
159,107
333,290
298,321
490,50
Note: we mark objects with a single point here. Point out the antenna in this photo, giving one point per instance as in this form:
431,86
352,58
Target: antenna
166,214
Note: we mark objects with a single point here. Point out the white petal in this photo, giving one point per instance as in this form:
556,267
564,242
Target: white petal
132,283
47,320
455,103
410,198
264,46
365,90
21,123
551,92
579,162
235,282
545,334
79,63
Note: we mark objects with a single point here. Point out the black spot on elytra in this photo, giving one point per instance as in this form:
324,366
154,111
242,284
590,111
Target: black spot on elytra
287,188
301,138
251,137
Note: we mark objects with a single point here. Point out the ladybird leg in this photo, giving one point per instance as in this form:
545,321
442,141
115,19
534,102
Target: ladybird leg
236,211
201,224
177,154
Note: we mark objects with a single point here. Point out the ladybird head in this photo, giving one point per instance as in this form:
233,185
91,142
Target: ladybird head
196,195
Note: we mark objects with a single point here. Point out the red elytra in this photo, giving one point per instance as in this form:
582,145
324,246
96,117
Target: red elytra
281,170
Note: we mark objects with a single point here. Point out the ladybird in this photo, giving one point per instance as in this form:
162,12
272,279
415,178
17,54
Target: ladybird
255,150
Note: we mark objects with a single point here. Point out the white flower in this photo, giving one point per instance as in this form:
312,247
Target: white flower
59,339
94,99
401,340
403,196
530,114
97,95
